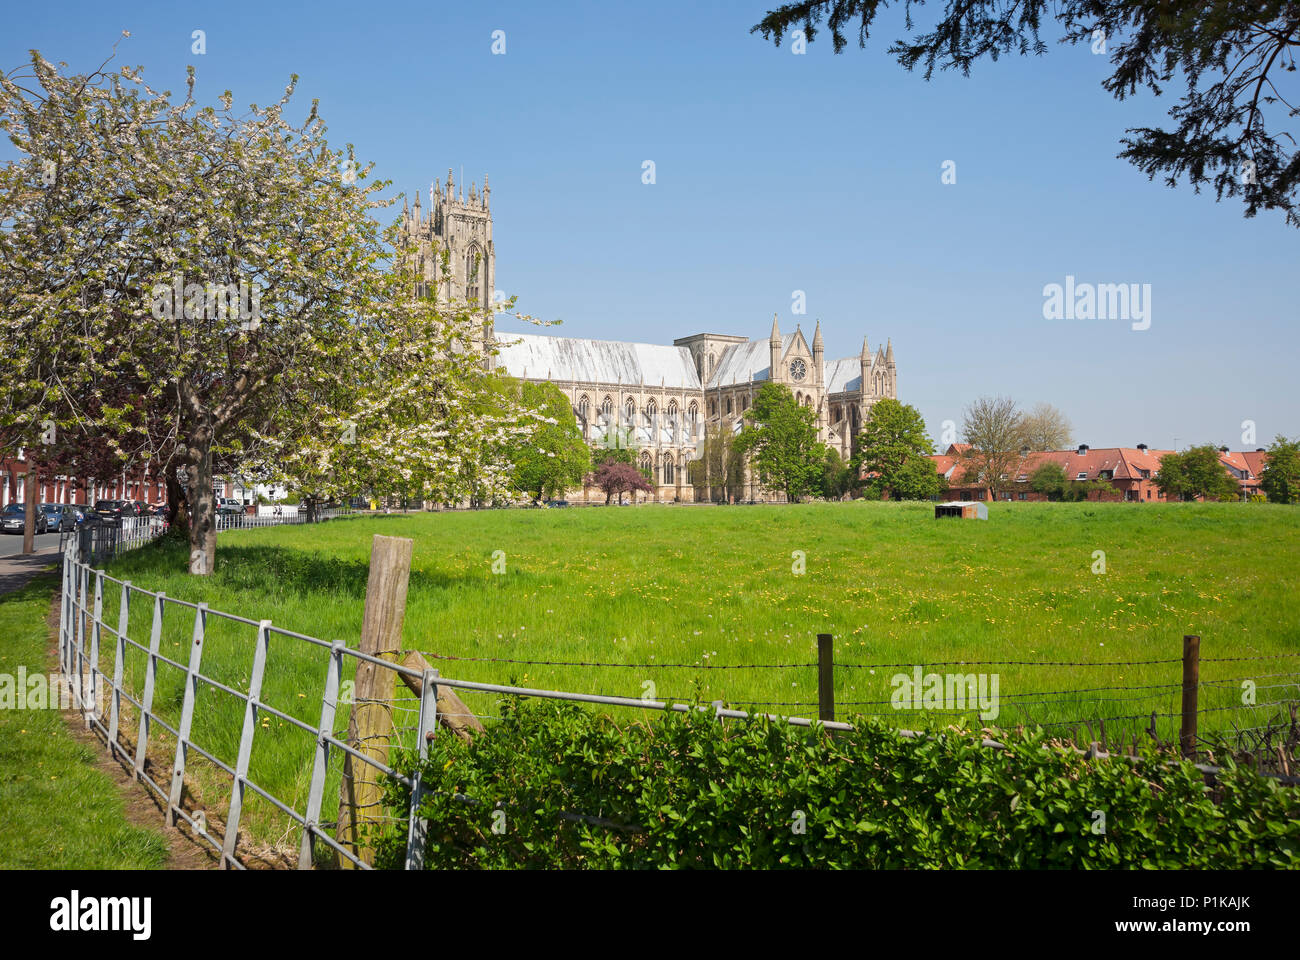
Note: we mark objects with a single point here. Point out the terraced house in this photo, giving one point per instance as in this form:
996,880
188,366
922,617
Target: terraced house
1130,471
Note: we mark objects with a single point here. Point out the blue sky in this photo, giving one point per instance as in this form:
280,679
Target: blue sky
777,172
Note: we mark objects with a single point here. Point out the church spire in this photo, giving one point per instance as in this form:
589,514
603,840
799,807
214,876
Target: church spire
776,332
889,352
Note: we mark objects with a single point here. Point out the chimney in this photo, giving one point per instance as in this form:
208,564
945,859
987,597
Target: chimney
1142,447
1083,448
1259,450
1223,449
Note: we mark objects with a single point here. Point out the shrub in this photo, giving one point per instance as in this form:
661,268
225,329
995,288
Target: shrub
569,788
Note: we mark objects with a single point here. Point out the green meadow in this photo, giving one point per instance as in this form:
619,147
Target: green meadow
736,595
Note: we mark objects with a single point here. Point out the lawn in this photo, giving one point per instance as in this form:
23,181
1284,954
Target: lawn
724,587
56,810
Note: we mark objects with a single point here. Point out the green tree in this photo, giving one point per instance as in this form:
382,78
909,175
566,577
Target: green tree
1049,480
837,476
893,437
915,480
1280,479
1196,472
554,458
1229,53
720,466
780,438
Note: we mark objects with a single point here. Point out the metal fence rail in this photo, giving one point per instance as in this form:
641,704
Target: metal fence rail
291,515
82,634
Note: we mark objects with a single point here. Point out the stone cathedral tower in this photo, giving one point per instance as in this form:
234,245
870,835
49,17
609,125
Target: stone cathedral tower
460,227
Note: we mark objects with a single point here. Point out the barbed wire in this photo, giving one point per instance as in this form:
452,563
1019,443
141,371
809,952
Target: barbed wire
848,666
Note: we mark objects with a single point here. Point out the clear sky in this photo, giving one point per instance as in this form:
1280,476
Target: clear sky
777,172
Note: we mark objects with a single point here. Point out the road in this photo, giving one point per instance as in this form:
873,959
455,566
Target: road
17,568
12,543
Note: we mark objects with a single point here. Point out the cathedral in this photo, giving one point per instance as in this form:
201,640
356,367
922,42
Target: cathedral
662,400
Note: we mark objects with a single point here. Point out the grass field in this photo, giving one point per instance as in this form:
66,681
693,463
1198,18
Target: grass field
56,810
718,587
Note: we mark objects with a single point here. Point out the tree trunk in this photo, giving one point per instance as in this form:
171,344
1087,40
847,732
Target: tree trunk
311,509
203,519
178,504
32,495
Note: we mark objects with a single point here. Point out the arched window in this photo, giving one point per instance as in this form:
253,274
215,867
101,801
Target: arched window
693,412
584,408
672,408
711,362
728,406
629,408
473,258
645,461
651,408
668,468
607,407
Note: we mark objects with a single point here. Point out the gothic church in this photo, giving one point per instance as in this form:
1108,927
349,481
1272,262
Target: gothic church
662,398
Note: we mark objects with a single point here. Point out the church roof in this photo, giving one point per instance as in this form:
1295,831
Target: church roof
747,361
841,375
596,361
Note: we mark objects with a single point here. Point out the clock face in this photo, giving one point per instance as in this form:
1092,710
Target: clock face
798,369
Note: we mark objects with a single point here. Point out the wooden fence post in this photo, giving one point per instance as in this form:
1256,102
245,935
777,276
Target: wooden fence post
452,712
1191,682
371,722
825,678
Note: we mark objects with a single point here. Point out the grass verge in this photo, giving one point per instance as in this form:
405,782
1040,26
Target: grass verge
57,811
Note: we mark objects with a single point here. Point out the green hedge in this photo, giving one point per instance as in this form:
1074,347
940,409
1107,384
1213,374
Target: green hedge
686,791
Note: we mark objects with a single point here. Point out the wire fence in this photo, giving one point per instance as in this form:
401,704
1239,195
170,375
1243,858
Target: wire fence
1239,705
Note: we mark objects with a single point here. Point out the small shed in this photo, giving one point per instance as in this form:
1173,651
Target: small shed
962,509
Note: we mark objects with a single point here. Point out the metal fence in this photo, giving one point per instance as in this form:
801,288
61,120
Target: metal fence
98,542
291,515
101,692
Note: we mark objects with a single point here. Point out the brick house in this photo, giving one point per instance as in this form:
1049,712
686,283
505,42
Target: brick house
1130,471
135,484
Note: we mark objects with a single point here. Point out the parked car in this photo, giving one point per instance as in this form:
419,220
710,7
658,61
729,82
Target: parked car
112,511
58,516
13,519
228,506
557,503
